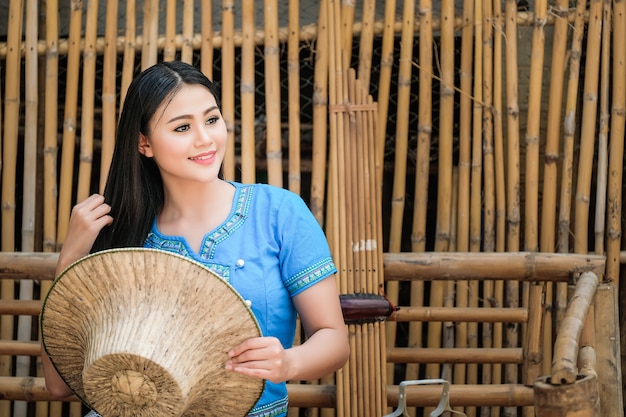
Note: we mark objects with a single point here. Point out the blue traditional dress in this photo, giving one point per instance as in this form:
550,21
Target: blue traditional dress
270,248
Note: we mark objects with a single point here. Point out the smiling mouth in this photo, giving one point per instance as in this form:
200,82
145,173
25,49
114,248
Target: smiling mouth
201,158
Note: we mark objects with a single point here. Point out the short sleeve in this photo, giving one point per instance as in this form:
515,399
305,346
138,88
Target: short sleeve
305,256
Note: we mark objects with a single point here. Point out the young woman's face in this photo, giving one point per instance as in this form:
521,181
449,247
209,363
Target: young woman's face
187,136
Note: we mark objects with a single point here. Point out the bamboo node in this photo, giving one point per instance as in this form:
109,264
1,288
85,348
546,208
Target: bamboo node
619,111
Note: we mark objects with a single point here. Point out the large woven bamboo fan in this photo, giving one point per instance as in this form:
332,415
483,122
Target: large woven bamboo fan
142,332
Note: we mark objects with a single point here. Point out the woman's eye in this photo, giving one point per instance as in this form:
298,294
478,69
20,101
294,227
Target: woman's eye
211,120
182,128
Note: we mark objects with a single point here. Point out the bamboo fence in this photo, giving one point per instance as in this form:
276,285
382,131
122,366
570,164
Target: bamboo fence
401,124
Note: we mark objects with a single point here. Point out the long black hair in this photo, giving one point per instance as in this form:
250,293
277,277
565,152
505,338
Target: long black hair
134,187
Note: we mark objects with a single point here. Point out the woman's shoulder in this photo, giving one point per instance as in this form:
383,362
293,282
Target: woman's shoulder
261,190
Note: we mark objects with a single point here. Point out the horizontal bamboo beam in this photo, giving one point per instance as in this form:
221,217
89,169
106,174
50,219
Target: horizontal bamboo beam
455,355
307,33
401,266
304,395
459,314
22,348
519,266
20,307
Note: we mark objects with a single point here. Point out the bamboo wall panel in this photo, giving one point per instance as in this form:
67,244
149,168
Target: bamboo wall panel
495,129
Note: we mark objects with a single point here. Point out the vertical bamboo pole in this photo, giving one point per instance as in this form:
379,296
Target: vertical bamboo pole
465,127
384,81
29,203
513,176
616,151
186,53
444,168
169,48
69,121
496,297
228,84
366,44
588,127
401,148
50,153
531,229
320,114
384,87
345,402
248,140
498,131
128,65
109,75
548,204
88,112
347,32
272,95
206,49
293,75
569,130
480,218
9,168
422,168
149,47
463,200
603,128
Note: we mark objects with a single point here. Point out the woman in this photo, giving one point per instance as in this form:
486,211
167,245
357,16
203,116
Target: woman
164,191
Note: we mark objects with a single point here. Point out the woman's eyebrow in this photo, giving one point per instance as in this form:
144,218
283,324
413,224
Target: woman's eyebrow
189,116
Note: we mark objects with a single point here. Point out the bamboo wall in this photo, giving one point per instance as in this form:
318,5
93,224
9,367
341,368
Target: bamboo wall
498,128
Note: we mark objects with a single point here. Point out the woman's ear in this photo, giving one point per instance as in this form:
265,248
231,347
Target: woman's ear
144,146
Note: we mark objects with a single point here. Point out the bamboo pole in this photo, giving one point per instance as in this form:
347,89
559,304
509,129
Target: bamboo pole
513,175
186,53
336,198
444,168
588,126
384,88
346,33
301,395
569,130
548,204
83,188
455,355
69,123
293,69
616,150
228,85
531,222
603,129
109,75
248,116
9,168
206,34
400,153
564,370
128,65
497,296
366,43
384,81
50,166
405,266
320,118
149,49
422,172
272,95
29,200
169,47
463,202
